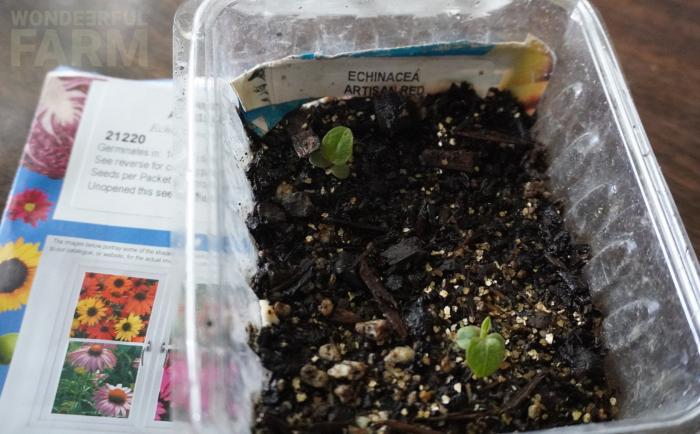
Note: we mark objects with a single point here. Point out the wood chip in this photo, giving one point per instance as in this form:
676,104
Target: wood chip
386,301
454,160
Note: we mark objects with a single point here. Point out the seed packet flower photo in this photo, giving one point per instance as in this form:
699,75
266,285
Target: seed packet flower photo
163,411
113,307
97,380
18,263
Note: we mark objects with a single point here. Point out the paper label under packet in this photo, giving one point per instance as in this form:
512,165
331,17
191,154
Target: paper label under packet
271,90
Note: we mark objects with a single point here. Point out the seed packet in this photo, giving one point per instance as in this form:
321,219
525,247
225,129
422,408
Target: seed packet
269,91
85,260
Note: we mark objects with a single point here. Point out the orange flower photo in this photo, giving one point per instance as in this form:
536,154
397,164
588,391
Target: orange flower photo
113,307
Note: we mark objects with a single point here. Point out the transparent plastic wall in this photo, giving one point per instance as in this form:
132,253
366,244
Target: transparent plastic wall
643,274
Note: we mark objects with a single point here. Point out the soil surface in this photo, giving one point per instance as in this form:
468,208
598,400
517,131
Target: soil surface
444,220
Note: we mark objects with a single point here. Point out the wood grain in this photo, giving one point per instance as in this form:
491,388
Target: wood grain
656,41
657,44
20,85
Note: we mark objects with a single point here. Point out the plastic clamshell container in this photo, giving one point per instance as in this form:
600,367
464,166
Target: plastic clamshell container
643,274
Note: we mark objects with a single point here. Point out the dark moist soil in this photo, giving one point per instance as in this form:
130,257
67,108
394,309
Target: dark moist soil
445,219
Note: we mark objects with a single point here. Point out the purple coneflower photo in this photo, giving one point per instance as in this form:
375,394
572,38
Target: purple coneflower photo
114,401
95,357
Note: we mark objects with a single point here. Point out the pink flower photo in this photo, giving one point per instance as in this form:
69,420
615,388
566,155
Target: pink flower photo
95,357
113,401
97,379
55,125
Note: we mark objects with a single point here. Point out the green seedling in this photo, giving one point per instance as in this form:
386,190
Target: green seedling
335,152
485,351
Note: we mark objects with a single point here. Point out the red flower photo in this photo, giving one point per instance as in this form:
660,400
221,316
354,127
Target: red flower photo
30,206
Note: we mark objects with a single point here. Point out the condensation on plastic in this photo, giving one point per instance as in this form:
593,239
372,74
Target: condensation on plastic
643,274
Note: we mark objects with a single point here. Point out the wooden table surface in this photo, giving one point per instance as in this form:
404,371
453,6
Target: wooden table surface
656,40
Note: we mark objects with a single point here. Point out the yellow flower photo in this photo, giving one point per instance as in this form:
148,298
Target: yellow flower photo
128,328
91,311
18,263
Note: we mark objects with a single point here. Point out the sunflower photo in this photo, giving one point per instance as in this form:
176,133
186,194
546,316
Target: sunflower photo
113,307
18,263
97,380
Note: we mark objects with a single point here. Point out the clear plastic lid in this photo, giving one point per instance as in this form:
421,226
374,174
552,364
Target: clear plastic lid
643,274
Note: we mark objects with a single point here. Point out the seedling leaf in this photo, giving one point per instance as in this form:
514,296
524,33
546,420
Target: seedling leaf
336,145
484,356
340,171
484,351
465,335
318,160
485,327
